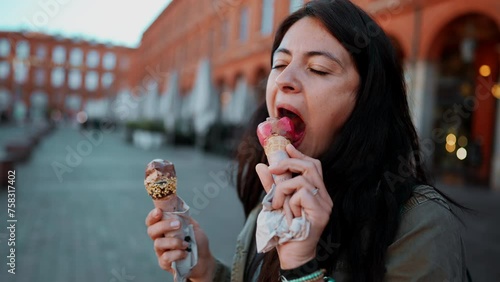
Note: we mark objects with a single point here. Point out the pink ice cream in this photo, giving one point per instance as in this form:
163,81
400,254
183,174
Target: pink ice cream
275,127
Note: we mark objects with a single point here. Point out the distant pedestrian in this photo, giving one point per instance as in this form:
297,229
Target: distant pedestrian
357,174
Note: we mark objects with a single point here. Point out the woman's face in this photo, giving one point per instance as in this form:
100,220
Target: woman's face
314,82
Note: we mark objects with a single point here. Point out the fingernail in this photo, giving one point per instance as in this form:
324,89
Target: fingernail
156,213
185,244
175,224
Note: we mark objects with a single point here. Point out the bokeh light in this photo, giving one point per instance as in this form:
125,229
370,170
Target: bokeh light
461,154
485,70
81,117
450,147
495,90
451,139
462,141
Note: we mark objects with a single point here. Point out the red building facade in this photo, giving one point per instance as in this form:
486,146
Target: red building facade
43,73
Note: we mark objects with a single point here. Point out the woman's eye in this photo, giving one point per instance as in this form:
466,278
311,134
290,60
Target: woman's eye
318,72
278,67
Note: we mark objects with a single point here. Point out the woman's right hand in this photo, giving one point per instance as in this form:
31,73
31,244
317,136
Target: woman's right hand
169,248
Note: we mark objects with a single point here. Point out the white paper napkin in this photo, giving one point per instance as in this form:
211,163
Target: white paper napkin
273,229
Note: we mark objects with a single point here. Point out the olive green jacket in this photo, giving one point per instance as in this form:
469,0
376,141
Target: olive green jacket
428,245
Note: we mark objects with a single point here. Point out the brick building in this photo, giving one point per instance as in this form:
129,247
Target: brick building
41,73
450,50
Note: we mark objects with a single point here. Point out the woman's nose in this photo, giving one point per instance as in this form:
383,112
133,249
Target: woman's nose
288,81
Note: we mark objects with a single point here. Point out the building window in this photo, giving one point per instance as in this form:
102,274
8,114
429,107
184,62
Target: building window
4,47
76,57
40,77
74,79
4,69
59,55
57,77
244,24
295,5
109,61
92,59
107,80
22,50
266,23
91,80
20,72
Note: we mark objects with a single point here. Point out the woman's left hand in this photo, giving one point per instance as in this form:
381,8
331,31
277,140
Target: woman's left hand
308,193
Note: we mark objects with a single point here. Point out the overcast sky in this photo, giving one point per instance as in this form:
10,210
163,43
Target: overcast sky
116,21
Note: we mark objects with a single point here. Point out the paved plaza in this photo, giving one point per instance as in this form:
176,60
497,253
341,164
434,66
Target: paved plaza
81,205
90,225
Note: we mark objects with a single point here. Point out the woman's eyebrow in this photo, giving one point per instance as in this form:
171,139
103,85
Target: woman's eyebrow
313,54
325,54
283,50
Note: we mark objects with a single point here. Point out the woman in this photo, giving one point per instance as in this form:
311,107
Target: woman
373,218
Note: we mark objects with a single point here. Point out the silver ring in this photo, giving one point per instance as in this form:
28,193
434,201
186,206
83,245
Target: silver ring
315,191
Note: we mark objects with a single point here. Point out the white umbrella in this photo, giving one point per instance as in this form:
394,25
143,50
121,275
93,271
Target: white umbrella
151,102
125,107
206,101
242,103
186,114
170,102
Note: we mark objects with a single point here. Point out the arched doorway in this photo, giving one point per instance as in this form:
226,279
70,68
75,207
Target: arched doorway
468,65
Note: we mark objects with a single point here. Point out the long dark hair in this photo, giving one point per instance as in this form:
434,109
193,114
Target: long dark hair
374,162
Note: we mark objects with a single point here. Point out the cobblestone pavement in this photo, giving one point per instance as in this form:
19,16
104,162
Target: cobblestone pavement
88,223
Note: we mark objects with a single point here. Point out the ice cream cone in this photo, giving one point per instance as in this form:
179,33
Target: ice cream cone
274,135
161,184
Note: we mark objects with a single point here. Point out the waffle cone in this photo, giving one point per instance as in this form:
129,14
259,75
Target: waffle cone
275,143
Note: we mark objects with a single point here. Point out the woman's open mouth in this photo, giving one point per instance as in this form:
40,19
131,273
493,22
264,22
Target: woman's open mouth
298,123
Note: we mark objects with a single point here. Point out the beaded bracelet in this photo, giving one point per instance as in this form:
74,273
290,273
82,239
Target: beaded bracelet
320,274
